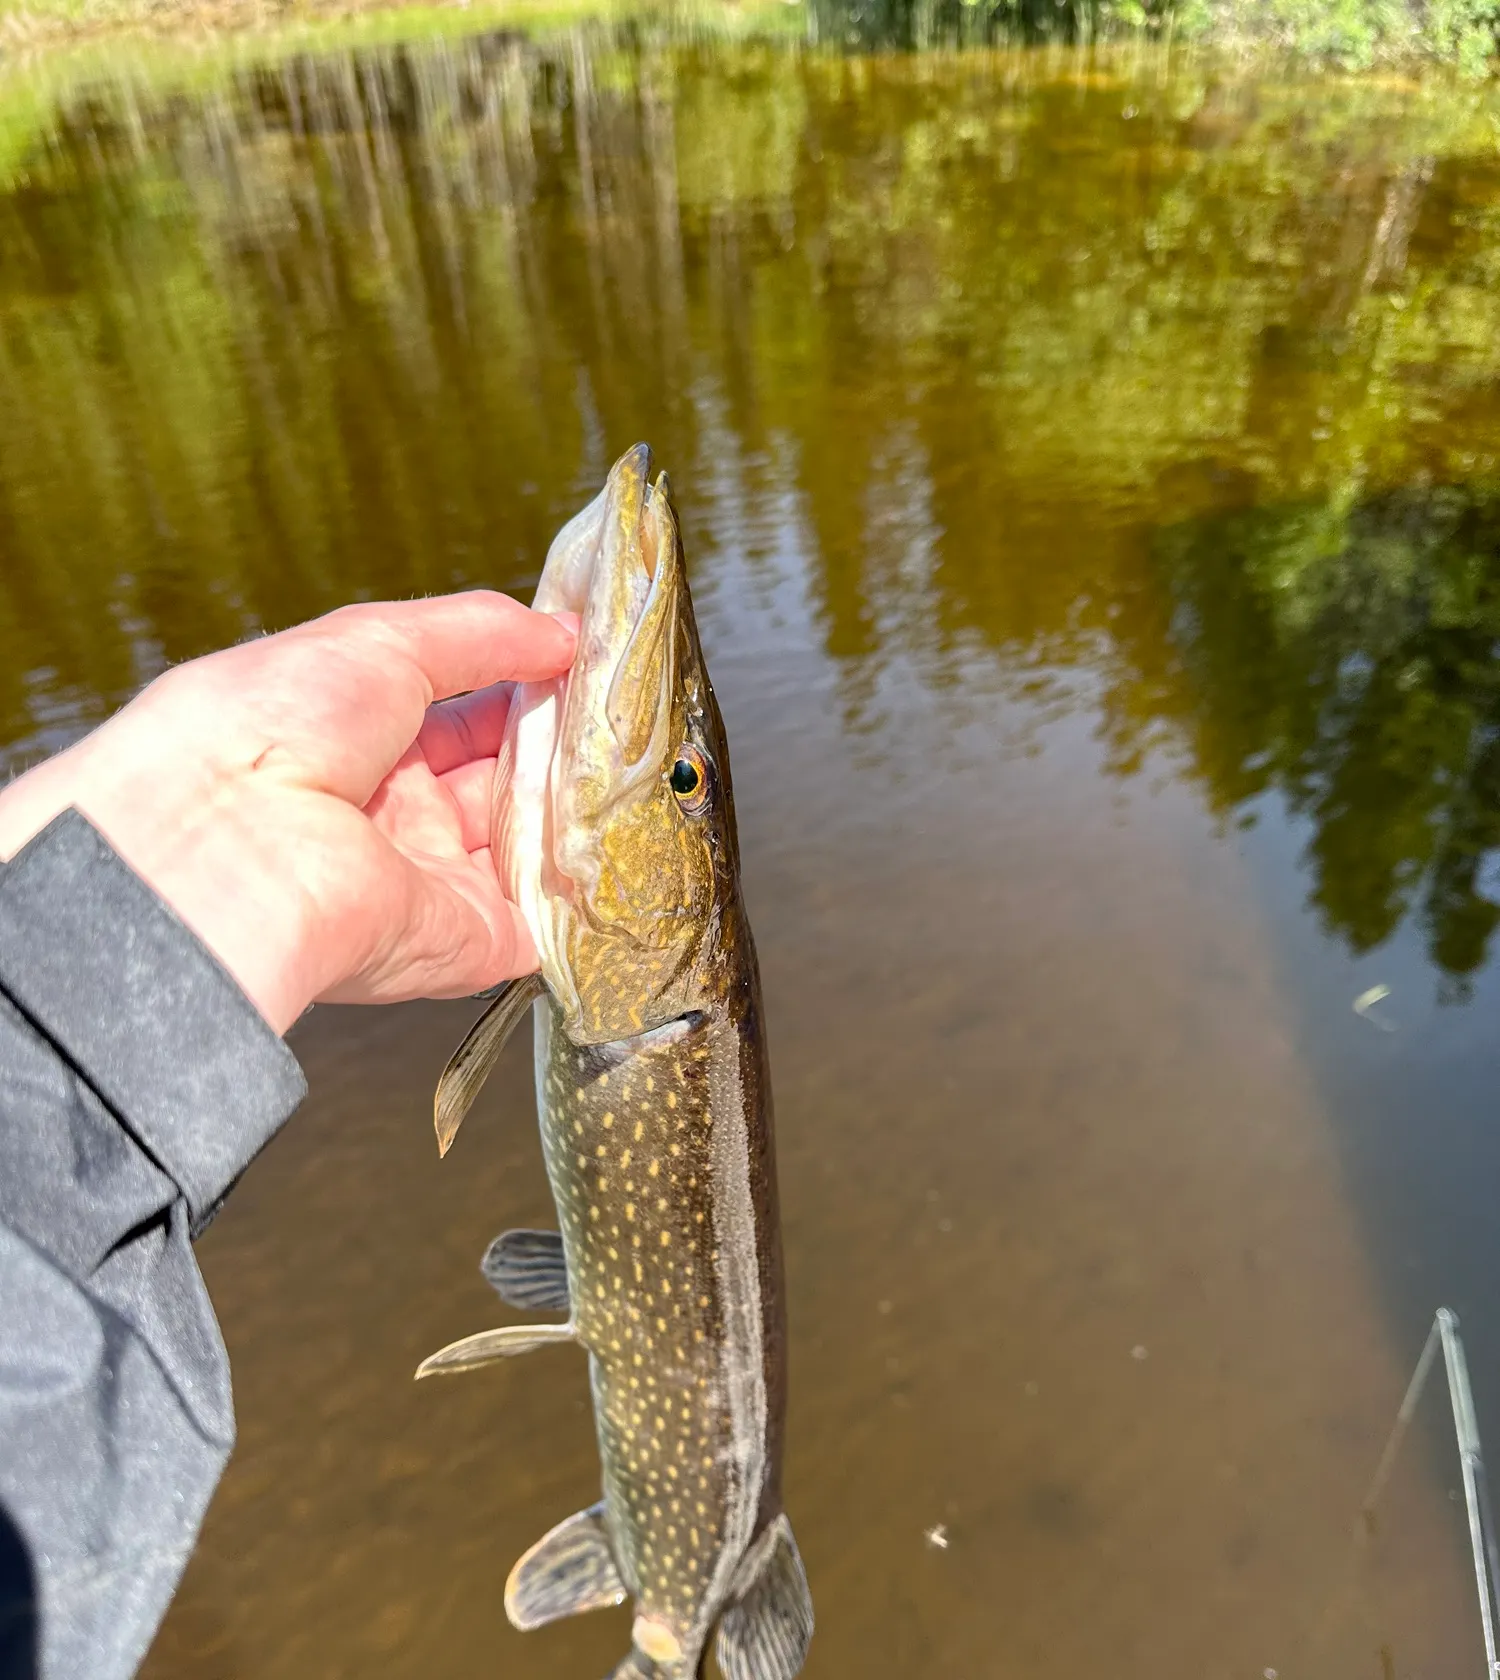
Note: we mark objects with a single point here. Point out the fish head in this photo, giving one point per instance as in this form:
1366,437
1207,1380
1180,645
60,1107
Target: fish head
614,818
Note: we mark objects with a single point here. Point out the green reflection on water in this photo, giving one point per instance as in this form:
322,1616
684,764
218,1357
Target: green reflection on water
1165,394
1346,656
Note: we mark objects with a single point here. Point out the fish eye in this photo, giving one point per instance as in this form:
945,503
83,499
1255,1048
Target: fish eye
689,779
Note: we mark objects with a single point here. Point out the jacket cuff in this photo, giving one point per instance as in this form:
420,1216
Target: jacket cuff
143,1010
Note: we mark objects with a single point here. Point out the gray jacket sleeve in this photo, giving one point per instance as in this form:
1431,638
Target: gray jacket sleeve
136,1083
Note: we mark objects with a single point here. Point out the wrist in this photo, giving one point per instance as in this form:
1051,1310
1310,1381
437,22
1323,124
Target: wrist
206,861
241,903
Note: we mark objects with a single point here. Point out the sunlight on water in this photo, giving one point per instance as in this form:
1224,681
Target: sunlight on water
1090,470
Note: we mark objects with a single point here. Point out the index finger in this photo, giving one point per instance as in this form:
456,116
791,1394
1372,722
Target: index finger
466,641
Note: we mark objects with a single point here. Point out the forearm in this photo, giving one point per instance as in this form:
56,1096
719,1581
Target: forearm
136,1083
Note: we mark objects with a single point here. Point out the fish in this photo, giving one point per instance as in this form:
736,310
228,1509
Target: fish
614,831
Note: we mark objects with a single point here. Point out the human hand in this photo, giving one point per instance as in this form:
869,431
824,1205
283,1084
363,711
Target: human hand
315,805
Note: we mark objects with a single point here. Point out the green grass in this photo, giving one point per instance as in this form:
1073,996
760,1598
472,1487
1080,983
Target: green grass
51,50
1346,34
49,47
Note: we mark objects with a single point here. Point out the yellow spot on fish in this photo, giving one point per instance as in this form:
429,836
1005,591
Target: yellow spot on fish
625,1158
600,1151
666,1236
654,1168
639,1129
671,1100
630,1210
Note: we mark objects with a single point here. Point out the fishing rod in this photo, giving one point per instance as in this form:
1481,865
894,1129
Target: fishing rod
1482,1538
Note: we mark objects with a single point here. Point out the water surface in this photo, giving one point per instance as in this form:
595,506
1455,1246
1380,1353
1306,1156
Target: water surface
1090,470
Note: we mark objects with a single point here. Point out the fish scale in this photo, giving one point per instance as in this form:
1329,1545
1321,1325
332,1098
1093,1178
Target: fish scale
614,831
627,1147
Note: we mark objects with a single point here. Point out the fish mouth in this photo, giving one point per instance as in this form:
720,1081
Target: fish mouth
613,733
580,748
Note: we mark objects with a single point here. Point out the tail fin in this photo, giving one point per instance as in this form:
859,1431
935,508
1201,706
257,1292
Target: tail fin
765,1631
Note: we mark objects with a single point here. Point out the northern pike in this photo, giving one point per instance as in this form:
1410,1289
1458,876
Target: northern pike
614,831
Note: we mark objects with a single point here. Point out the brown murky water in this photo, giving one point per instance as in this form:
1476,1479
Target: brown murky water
1091,474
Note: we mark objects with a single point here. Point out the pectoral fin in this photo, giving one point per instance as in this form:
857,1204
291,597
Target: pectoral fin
568,1571
470,1064
527,1269
490,1345
765,1632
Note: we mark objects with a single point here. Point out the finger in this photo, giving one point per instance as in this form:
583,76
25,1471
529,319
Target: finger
455,732
462,642
459,936
415,812
471,788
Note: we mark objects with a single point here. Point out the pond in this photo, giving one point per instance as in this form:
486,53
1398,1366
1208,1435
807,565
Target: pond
1090,472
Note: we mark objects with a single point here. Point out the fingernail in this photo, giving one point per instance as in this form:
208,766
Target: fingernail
570,621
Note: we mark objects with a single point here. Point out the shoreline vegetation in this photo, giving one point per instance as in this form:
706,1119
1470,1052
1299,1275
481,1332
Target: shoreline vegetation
287,326
1341,35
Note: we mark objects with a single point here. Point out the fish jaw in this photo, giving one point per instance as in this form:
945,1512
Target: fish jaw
616,720
586,839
